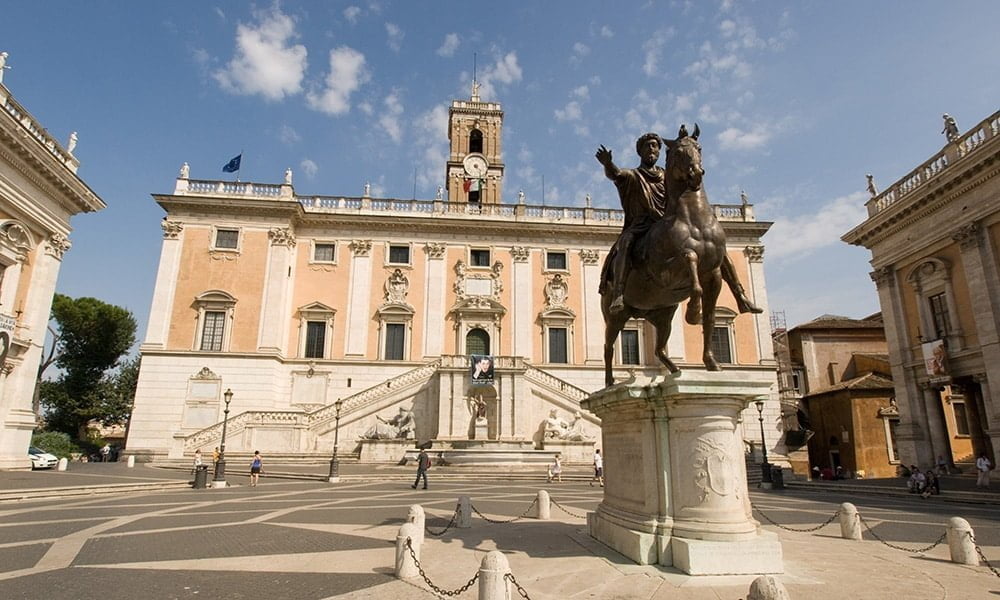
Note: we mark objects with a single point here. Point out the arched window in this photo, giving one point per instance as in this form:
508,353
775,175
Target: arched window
477,341
475,141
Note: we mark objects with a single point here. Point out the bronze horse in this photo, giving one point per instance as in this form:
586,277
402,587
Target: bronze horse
685,259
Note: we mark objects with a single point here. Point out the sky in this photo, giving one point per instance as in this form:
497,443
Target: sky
796,102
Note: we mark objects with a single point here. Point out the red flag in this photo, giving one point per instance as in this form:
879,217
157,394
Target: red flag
466,185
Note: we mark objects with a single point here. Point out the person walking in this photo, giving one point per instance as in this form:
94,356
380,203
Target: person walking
197,461
598,468
983,466
423,464
256,468
555,469
105,452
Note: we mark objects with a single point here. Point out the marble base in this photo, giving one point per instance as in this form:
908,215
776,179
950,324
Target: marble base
384,451
640,541
481,431
760,555
572,452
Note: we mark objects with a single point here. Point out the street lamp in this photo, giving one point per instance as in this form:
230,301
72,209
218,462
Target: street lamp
765,466
334,463
219,481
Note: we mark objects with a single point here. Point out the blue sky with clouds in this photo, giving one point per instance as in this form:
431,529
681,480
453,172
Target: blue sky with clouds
796,102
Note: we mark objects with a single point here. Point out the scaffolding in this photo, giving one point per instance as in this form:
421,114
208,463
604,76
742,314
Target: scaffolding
789,393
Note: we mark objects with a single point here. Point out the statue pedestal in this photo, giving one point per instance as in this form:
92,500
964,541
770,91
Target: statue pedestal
481,430
572,451
675,480
384,451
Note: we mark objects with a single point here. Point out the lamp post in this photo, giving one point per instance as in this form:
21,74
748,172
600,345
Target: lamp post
334,463
219,481
765,466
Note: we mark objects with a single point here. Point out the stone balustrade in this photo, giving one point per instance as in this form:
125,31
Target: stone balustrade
542,378
953,152
34,128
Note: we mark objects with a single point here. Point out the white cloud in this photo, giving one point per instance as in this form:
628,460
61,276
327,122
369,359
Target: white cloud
684,102
351,13
449,45
727,28
735,138
347,74
395,34
219,13
581,49
799,236
582,92
431,136
309,167
595,80
389,121
607,32
505,72
288,135
653,47
571,112
265,63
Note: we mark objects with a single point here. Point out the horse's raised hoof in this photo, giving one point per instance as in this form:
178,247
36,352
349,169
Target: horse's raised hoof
745,306
711,364
693,313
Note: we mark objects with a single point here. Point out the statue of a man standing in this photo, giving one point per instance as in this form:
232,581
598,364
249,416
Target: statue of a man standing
643,198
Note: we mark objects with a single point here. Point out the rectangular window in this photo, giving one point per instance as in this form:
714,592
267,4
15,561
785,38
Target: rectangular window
555,261
479,258
961,418
399,255
228,239
939,312
324,252
211,333
721,348
557,345
630,347
315,339
395,337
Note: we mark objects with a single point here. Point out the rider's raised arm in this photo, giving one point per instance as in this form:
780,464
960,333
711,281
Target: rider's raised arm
603,156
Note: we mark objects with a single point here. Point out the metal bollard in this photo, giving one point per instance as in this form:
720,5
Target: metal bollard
418,519
464,520
63,464
543,509
960,542
766,587
850,522
131,461
405,566
493,584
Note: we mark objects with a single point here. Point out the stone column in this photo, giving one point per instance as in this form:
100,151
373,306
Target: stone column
593,321
434,294
993,433
758,294
359,309
523,301
937,427
158,328
273,334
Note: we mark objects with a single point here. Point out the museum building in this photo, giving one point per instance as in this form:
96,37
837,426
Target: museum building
934,237
321,313
39,192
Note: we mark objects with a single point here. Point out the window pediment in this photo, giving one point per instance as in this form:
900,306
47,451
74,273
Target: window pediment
214,296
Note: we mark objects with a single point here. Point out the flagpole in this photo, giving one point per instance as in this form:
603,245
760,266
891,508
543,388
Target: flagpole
240,167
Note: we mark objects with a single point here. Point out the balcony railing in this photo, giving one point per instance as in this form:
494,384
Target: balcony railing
35,129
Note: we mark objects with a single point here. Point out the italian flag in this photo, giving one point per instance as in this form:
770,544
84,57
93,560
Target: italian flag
472,185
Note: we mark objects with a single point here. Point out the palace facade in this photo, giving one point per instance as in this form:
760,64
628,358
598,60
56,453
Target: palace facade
934,236
39,192
294,301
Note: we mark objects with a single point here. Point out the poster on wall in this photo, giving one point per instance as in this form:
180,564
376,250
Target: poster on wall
7,324
936,360
481,369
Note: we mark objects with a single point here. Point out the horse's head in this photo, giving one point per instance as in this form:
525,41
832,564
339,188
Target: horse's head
684,158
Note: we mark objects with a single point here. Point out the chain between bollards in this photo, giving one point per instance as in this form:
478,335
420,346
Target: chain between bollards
520,590
563,508
454,515
982,557
430,583
517,518
891,545
807,530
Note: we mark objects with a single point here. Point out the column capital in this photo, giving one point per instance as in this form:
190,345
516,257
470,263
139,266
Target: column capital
171,229
520,253
754,253
968,236
361,247
589,256
435,250
883,276
57,245
281,236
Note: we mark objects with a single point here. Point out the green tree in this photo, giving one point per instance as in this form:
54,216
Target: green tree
91,338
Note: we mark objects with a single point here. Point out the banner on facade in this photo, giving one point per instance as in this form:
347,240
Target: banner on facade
936,360
481,369
7,323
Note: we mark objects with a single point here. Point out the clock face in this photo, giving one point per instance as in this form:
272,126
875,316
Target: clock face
475,165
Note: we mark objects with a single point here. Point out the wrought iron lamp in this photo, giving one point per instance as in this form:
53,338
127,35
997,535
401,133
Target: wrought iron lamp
219,480
334,463
765,473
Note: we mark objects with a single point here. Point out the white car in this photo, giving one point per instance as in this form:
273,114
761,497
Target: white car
40,459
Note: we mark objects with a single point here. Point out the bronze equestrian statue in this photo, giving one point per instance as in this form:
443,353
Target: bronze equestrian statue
672,248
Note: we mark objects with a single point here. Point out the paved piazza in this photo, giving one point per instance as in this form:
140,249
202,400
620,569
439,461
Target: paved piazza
306,540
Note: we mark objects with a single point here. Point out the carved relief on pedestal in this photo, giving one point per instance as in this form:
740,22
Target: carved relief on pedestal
435,250
57,245
968,236
171,229
883,276
361,247
754,253
556,291
281,236
590,256
396,287
715,468
520,253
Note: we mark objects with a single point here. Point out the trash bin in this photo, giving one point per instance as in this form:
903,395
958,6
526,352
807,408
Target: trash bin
201,477
777,479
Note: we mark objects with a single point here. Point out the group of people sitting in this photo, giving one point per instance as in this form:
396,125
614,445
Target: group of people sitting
923,483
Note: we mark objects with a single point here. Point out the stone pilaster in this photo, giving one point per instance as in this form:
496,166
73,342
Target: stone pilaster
158,326
273,333
757,290
434,299
359,309
593,333
522,313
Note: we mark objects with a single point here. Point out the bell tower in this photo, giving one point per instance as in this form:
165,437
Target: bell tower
474,172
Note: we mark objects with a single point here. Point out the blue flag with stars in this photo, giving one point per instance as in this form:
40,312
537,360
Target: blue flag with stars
233,165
